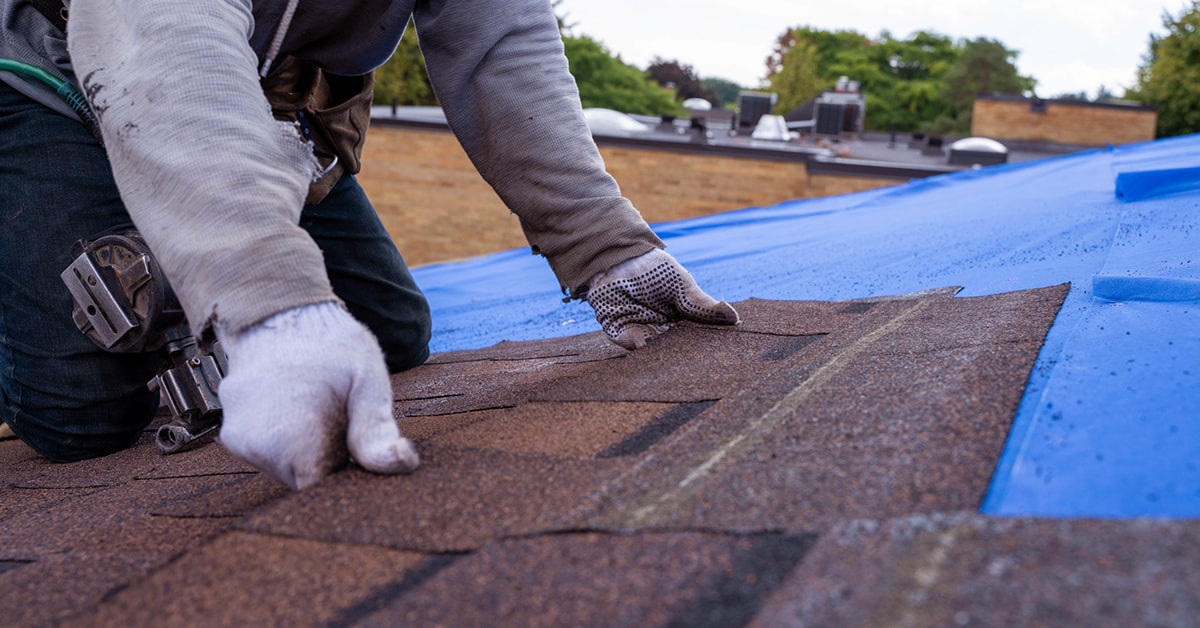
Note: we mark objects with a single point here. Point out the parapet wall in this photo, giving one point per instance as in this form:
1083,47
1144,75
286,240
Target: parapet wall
437,207
1062,121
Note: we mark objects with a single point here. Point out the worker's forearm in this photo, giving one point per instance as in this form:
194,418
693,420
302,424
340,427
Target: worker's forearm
212,181
508,95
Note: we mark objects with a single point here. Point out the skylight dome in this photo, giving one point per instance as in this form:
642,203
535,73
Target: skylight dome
611,122
979,145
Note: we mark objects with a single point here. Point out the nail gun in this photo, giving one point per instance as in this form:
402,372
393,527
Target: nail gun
123,303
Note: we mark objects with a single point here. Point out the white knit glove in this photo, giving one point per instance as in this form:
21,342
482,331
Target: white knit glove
305,388
639,298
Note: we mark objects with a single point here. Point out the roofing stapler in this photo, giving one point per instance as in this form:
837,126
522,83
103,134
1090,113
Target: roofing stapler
124,304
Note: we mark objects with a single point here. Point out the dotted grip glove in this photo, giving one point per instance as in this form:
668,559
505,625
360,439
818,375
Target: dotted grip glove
639,298
306,389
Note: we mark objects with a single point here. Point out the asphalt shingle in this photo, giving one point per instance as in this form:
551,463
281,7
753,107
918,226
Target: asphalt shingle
967,570
818,465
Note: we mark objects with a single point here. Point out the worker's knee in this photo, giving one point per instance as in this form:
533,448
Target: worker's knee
405,339
69,400
71,434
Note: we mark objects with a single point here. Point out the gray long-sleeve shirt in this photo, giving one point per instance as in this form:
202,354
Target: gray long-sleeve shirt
216,185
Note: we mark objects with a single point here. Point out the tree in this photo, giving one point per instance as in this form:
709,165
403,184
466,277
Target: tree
924,55
606,81
1077,96
806,61
681,78
909,93
829,45
926,80
921,63
985,66
902,78
797,79
871,66
1169,76
1103,94
726,91
403,78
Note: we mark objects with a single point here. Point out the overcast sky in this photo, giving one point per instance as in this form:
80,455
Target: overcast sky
1069,46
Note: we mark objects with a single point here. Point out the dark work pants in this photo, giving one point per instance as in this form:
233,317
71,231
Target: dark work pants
64,396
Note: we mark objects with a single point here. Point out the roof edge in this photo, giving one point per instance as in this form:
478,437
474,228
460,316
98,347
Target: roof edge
1127,105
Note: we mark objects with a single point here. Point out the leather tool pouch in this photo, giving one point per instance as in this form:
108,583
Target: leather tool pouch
333,112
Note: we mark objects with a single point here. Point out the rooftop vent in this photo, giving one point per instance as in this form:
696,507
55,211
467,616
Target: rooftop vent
933,146
772,128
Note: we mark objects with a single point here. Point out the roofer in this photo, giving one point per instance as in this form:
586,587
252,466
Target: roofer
253,212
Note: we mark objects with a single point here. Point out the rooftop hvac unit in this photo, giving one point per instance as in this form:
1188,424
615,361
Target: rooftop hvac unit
829,118
839,112
752,106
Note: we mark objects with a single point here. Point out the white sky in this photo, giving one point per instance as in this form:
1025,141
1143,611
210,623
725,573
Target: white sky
1067,45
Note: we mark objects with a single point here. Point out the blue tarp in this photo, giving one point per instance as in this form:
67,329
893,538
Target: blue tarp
1110,422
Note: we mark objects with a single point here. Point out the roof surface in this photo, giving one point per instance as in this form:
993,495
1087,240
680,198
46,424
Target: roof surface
1107,426
820,464
838,459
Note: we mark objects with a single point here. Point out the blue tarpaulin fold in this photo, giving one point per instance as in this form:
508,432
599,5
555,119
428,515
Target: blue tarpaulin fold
1172,166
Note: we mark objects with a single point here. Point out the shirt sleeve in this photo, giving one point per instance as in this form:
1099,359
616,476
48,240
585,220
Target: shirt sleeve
498,68
212,181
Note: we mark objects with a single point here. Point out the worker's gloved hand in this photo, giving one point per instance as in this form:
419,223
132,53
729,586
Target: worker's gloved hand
639,298
306,387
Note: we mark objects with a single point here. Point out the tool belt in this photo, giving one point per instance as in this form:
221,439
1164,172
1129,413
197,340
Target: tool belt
333,112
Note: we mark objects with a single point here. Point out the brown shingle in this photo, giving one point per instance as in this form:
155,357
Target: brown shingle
459,500
597,579
567,481
293,582
964,569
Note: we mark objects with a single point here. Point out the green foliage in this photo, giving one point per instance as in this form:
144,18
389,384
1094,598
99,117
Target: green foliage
1078,96
726,91
797,80
681,78
922,56
985,67
603,80
830,44
403,78
1103,94
958,123
922,82
1169,77
606,81
914,85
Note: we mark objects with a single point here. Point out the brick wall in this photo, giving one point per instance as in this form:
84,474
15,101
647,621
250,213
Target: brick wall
437,207
1060,121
